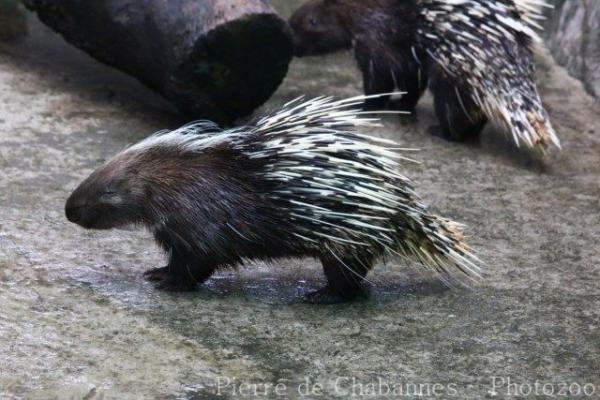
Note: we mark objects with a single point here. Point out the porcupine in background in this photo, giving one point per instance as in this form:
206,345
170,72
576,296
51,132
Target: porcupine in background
476,56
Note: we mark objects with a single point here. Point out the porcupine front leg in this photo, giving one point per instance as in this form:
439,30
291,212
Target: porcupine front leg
411,79
179,275
377,76
345,277
184,271
459,117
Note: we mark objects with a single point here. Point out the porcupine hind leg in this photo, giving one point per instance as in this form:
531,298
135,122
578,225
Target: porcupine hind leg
460,118
345,277
184,271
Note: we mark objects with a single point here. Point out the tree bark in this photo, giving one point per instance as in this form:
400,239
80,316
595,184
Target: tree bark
216,59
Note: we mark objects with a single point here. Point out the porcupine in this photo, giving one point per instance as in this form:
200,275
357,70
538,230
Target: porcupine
300,182
474,55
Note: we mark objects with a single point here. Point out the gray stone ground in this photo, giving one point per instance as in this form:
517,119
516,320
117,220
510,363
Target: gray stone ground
78,321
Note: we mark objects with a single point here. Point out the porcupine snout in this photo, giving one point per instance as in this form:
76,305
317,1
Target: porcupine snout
73,212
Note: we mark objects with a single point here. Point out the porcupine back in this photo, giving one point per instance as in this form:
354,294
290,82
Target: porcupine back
489,45
343,192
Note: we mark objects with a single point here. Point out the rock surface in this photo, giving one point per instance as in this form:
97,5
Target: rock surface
78,321
573,33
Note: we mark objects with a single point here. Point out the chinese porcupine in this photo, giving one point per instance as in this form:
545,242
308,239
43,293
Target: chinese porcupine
301,181
475,56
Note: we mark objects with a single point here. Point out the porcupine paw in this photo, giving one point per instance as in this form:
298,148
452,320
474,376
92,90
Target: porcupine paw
437,131
327,295
163,279
157,274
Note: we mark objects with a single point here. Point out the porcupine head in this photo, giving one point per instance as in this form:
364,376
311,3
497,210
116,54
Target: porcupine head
319,28
135,187
326,26
112,196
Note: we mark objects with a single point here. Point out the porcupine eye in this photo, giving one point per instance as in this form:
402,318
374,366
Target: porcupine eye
313,21
110,196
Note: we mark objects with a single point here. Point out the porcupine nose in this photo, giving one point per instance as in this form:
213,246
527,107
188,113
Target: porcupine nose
299,50
73,211
73,214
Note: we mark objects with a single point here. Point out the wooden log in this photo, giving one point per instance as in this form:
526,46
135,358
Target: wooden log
13,24
216,59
